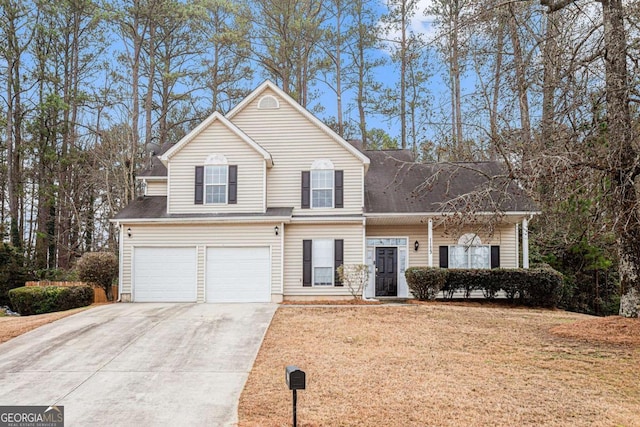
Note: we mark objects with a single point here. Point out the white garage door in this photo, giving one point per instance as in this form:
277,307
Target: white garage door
164,274
238,275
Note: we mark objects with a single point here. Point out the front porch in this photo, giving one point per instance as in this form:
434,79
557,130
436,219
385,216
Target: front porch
394,244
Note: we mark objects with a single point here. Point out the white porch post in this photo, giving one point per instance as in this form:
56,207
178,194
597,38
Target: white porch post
525,243
517,246
430,242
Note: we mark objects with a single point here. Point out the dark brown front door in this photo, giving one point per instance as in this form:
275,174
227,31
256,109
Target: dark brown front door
386,272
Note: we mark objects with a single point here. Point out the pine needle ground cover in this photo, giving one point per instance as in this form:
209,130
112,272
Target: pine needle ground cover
446,365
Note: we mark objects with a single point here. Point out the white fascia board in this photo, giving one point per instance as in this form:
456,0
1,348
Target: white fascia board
313,119
151,178
326,219
441,214
213,221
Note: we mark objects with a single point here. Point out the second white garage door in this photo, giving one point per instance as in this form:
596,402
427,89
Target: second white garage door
238,274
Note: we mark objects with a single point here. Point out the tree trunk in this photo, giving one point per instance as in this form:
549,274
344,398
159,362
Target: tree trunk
521,81
623,158
495,101
550,56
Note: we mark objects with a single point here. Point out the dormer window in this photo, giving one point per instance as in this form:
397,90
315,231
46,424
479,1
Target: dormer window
215,184
322,186
322,175
216,181
268,102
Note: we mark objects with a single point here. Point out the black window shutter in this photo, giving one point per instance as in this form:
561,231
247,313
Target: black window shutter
233,184
338,255
306,262
444,256
306,190
199,185
339,188
495,256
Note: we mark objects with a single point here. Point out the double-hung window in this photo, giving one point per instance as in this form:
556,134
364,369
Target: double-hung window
323,263
470,253
322,188
462,256
215,184
320,260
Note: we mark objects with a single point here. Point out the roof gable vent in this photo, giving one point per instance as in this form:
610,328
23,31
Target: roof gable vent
268,102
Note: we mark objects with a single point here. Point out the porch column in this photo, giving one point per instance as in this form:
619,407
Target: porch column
525,243
430,242
517,246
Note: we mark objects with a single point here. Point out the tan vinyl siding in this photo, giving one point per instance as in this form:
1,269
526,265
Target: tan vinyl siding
216,139
294,143
413,233
504,236
295,234
157,188
202,236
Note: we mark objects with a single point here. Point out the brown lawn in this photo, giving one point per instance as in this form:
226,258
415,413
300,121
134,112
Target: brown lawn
11,327
446,365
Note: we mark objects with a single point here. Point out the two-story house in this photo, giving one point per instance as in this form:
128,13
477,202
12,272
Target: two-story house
264,203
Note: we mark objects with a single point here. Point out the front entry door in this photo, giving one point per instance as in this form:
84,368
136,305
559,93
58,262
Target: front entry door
386,272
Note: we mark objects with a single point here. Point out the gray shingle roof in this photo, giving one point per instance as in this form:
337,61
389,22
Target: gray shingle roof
393,184
155,207
156,168
396,184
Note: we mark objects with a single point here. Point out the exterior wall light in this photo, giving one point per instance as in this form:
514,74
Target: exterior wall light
129,231
276,229
416,245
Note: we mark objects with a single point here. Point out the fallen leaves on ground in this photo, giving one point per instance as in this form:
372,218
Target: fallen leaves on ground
441,365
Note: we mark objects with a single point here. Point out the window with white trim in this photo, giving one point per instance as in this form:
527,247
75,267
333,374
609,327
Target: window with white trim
323,262
215,184
469,253
322,184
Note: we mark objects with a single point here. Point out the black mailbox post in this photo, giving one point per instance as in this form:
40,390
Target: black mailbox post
296,380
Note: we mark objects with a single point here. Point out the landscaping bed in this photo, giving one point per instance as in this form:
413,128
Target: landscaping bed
440,364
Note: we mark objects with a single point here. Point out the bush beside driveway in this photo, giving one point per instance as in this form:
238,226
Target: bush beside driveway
441,365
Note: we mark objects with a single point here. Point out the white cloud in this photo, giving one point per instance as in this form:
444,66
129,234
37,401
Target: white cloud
420,22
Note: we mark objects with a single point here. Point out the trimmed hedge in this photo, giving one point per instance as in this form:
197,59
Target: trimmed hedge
47,299
425,283
538,287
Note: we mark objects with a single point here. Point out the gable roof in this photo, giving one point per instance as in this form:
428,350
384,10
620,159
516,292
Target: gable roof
396,184
267,84
164,158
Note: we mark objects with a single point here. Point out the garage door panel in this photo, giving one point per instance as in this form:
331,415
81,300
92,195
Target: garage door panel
165,274
238,274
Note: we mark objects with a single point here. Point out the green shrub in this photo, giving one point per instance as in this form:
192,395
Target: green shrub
13,273
543,287
469,280
425,282
539,287
47,299
99,268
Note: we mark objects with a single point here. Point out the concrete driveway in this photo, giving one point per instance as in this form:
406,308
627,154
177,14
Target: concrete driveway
138,364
